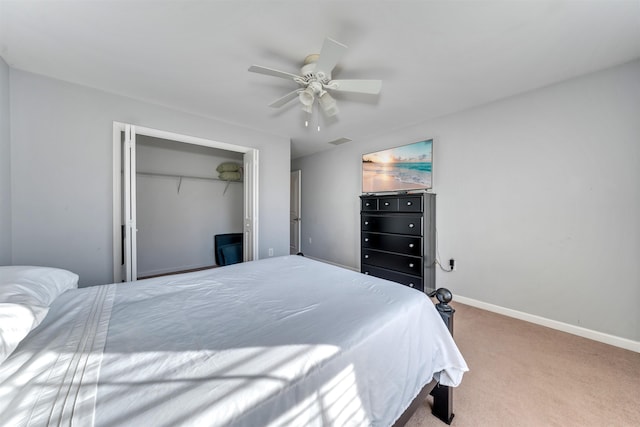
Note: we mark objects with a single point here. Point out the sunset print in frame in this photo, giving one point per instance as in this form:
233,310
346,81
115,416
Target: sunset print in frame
404,168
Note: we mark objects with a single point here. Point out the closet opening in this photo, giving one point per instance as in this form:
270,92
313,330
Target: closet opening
173,194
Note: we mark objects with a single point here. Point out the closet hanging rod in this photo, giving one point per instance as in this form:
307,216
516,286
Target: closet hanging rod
168,175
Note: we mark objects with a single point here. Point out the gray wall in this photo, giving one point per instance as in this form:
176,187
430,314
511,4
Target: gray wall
538,200
5,167
176,220
61,158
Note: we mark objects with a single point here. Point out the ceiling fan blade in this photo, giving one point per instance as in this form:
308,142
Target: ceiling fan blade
288,97
271,72
330,54
371,87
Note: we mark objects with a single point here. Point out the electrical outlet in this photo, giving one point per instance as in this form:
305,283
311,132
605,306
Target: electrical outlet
270,251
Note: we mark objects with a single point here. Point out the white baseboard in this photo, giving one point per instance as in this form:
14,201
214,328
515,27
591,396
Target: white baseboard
553,324
171,270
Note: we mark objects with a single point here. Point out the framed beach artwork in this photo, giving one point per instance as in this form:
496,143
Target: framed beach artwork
404,168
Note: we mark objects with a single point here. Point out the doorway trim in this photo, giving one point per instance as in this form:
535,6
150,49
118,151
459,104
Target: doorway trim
295,207
250,188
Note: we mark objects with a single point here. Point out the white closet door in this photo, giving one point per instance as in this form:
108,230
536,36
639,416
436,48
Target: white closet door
130,240
250,225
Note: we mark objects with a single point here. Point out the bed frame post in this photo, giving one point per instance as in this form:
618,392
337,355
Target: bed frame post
443,395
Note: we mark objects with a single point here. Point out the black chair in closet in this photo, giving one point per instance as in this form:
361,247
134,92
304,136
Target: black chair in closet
228,248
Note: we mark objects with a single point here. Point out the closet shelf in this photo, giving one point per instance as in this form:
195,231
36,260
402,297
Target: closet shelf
181,177
168,175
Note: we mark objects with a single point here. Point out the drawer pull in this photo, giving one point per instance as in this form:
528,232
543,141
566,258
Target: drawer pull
410,245
410,225
410,264
367,204
366,223
366,256
386,203
409,203
366,239
411,285
366,272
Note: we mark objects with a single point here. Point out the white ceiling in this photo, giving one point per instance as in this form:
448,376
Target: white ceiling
434,57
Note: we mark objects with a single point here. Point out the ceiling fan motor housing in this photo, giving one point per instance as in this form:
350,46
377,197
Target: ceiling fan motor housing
308,71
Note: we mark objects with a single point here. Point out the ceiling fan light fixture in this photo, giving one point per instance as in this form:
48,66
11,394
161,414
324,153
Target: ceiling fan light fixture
307,108
328,104
307,97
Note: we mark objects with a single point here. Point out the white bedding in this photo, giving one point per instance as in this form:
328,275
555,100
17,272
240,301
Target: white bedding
281,341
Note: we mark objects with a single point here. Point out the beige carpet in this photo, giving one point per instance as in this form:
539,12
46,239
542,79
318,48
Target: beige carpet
523,374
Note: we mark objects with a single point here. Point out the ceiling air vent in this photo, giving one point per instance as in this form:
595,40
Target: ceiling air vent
339,141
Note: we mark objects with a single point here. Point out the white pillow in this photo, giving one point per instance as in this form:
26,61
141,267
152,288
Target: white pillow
24,284
16,321
25,296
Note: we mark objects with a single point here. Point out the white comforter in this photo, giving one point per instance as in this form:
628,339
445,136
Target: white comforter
281,341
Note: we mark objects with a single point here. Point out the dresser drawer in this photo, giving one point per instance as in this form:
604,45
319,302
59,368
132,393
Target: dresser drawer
394,276
402,263
369,204
393,243
395,224
410,204
388,204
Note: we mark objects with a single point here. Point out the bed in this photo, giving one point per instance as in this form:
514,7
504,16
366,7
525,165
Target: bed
281,341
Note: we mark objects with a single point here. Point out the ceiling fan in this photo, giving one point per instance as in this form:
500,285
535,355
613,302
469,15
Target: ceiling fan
315,80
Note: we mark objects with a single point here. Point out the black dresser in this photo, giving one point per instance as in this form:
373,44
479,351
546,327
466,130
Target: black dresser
398,238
